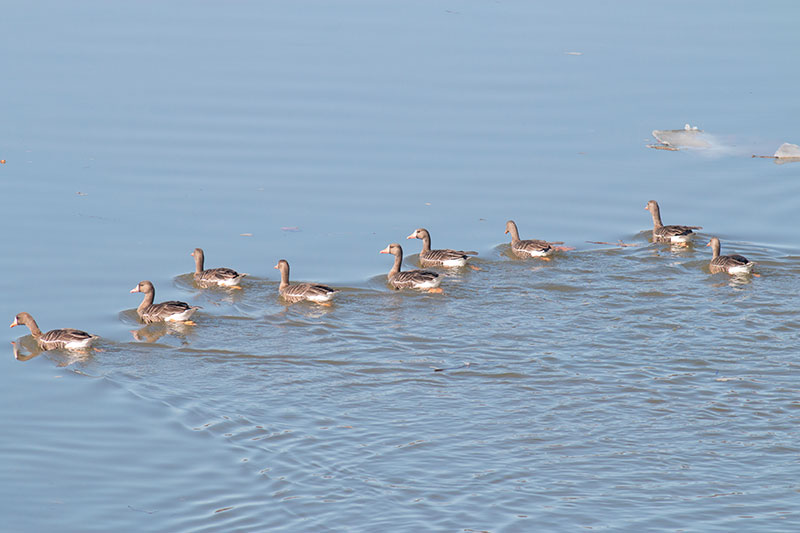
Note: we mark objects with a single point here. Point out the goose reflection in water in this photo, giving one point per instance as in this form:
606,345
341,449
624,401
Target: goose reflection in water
151,333
61,357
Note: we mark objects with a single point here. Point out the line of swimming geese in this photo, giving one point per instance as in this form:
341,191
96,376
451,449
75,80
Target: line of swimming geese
175,311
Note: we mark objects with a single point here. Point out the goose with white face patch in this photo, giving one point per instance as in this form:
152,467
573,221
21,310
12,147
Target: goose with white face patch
71,339
295,292
411,279
730,264
673,233
445,257
171,311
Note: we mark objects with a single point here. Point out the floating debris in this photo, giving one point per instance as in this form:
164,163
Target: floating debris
788,150
290,228
132,508
688,137
663,147
618,243
786,153
464,365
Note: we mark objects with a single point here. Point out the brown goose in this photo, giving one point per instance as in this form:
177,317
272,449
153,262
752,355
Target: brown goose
302,291
71,339
411,279
673,233
446,258
731,264
529,247
171,311
224,277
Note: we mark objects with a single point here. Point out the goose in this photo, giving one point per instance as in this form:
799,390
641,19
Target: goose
731,264
171,311
296,292
411,279
445,258
529,247
71,339
672,233
223,277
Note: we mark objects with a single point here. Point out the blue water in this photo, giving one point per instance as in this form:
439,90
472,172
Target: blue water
615,388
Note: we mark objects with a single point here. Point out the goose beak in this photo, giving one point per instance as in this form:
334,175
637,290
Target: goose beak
276,266
14,323
506,231
709,243
412,236
135,289
385,251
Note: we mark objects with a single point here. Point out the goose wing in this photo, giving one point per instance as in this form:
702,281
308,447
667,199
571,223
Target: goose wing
533,245
728,261
739,259
307,290
412,278
217,274
64,336
675,230
440,256
166,309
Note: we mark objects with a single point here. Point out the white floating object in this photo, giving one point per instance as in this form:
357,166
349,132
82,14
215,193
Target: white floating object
688,137
788,150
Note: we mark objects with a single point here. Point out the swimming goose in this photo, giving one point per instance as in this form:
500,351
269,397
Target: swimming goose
302,291
171,311
529,247
72,339
446,258
732,264
224,277
673,233
411,279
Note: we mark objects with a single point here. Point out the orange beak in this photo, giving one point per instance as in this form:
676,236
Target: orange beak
385,251
136,289
506,231
276,266
412,236
709,243
14,323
